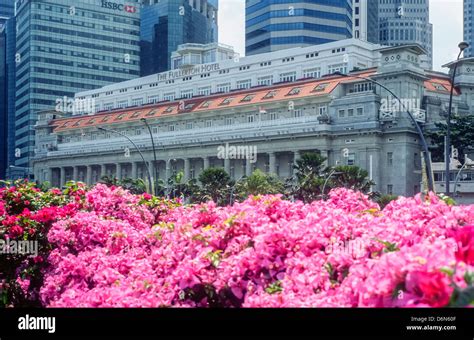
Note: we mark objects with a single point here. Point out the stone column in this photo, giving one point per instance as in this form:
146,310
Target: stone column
248,168
49,175
168,170
297,156
118,172
272,162
134,170
89,175
62,176
151,167
75,173
227,165
103,169
187,169
206,163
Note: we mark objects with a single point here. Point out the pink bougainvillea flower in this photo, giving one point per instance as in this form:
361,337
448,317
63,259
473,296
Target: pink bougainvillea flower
464,237
432,288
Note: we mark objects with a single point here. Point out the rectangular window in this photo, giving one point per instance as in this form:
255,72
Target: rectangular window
169,96
273,116
312,73
360,111
288,76
204,91
187,94
362,87
153,99
189,126
351,159
244,84
323,110
229,121
171,128
137,101
342,113
297,113
250,119
337,68
389,189
122,104
208,123
223,87
350,112
268,80
389,158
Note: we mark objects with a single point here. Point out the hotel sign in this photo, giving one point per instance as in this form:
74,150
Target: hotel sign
185,72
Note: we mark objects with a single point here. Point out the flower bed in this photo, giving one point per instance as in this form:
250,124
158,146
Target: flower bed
109,248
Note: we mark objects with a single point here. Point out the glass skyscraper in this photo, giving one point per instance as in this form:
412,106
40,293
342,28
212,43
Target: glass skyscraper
468,29
165,24
10,73
406,22
272,25
3,105
7,8
366,20
67,46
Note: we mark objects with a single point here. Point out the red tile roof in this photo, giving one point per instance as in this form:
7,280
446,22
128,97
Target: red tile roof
222,101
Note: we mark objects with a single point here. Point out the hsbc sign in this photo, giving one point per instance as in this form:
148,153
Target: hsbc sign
119,7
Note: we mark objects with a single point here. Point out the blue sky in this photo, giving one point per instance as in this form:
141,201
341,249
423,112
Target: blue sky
445,15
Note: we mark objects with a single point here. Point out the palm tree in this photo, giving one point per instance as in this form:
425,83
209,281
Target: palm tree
309,179
351,177
215,185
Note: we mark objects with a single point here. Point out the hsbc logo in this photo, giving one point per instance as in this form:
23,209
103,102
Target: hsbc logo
130,9
118,7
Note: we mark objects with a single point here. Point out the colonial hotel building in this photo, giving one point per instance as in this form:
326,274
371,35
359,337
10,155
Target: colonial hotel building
284,103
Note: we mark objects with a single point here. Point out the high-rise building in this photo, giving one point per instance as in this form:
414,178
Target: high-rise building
165,24
7,9
10,73
468,27
365,20
3,105
66,46
272,25
404,22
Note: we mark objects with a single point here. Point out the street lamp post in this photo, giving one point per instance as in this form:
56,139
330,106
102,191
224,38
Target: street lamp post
467,162
155,177
412,118
447,152
135,145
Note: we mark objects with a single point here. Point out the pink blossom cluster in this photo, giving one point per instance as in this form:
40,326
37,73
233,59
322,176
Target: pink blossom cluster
121,251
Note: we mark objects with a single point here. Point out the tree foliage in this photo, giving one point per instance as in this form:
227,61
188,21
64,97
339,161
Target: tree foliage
462,137
258,183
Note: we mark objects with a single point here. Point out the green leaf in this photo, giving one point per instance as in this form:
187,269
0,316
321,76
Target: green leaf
389,247
448,271
274,287
469,278
465,297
